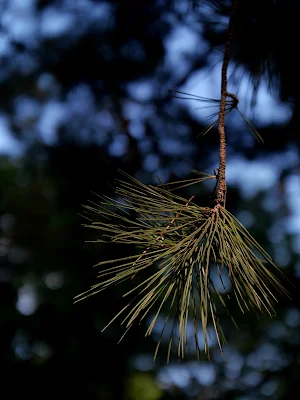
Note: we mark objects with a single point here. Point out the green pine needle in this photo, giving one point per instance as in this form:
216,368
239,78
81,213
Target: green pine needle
231,104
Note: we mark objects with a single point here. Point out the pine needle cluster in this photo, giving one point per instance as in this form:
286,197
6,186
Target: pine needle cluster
180,242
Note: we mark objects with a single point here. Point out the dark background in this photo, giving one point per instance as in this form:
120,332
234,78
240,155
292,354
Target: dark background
84,91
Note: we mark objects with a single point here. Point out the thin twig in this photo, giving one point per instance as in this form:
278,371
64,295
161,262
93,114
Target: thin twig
221,191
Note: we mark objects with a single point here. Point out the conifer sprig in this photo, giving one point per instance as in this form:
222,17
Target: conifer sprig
180,243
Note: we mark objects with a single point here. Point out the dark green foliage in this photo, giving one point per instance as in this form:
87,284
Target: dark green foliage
180,242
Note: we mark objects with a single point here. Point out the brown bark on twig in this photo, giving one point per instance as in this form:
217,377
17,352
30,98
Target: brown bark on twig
221,188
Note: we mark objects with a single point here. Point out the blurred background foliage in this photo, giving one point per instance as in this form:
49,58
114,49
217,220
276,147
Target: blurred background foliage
84,91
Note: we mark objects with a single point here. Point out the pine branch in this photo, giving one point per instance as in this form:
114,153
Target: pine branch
181,242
